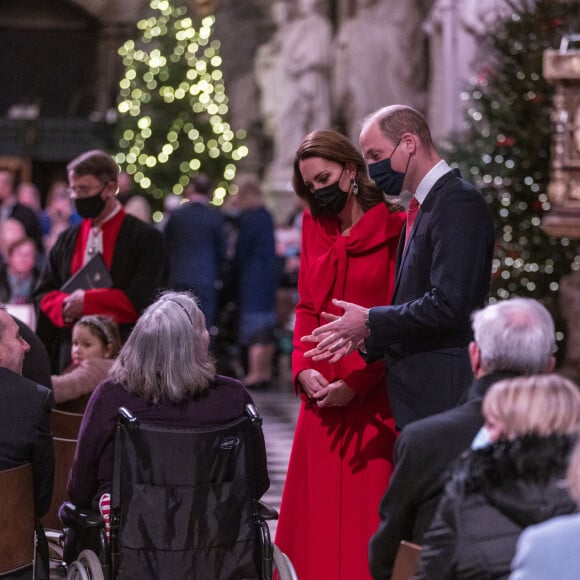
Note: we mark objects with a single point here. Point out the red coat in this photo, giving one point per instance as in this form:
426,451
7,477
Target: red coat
341,457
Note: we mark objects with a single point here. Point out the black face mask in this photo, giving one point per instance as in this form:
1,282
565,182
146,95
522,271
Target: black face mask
329,200
90,207
387,179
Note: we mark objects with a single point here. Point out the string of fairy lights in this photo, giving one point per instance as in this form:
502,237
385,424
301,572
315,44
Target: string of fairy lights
173,106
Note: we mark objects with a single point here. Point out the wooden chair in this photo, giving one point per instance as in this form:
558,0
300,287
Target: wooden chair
65,424
64,452
17,521
406,561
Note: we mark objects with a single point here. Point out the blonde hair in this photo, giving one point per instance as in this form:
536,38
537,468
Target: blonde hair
539,405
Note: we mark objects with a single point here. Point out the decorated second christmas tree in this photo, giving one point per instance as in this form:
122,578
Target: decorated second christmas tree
506,149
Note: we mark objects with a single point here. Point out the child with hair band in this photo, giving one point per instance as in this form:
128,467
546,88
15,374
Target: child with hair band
95,343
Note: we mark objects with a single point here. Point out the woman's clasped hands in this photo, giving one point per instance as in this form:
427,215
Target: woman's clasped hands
323,393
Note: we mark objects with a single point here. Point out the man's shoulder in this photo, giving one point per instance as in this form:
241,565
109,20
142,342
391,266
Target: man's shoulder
22,385
67,237
431,434
134,226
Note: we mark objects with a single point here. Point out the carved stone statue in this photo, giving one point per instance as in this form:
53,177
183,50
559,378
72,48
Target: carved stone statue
456,29
379,60
305,44
269,71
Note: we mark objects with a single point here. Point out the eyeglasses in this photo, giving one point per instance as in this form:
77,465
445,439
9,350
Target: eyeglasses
82,191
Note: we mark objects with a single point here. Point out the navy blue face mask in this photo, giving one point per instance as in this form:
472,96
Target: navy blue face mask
387,179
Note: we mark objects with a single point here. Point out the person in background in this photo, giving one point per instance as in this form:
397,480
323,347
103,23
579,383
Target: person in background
512,337
24,426
10,207
134,254
58,215
257,280
139,207
511,480
195,239
550,550
342,453
28,195
11,231
95,344
19,275
443,272
125,187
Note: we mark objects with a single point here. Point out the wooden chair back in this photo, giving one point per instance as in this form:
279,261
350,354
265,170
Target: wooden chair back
17,521
406,561
64,452
65,424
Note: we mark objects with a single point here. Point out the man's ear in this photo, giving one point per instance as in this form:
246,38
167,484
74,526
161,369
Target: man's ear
410,143
475,358
551,365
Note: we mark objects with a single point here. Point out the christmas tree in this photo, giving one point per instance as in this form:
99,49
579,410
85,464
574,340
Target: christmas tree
506,149
173,105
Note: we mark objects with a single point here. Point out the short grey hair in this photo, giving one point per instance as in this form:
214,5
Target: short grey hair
167,354
516,335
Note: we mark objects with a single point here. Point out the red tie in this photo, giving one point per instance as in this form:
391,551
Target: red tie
411,215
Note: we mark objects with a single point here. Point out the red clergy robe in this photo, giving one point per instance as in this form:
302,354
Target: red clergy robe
111,301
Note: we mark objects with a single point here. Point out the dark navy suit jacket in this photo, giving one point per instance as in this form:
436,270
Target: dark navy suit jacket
24,432
196,245
443,275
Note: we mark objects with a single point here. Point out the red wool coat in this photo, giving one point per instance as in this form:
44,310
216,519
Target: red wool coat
341,457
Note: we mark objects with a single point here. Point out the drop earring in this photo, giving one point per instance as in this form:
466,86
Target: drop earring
354,187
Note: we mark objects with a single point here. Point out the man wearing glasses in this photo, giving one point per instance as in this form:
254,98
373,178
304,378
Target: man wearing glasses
133,252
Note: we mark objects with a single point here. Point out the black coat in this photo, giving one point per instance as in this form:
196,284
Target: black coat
423,455
493,494
24,433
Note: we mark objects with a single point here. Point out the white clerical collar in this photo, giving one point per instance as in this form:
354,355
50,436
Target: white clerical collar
433,175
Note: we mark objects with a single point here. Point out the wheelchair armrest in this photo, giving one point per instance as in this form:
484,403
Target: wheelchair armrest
76,517
266,512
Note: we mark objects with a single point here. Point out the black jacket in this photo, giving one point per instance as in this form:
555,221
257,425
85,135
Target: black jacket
424,453
24,433
493,494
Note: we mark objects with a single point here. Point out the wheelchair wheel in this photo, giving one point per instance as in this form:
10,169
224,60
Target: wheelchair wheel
86,567
283,565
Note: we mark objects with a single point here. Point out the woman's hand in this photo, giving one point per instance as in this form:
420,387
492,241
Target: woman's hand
337,394
311,382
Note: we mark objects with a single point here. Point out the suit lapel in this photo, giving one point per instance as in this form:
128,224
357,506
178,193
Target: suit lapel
425,206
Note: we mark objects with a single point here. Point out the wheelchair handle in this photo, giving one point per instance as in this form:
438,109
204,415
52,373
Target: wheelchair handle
127,418
253,414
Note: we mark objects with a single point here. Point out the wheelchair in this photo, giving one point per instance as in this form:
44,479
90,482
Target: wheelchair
183,506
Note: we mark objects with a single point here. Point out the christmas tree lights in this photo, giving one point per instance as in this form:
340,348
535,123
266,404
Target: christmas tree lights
506,151
173,106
